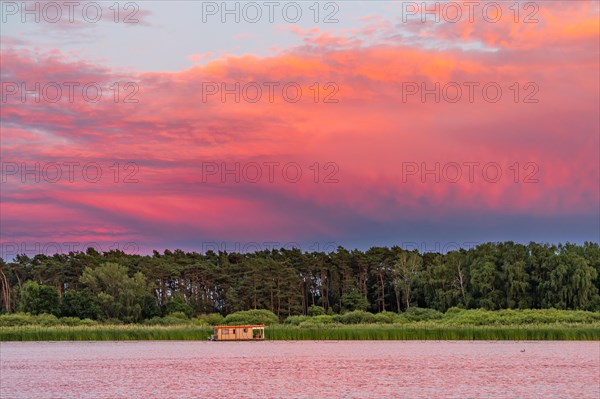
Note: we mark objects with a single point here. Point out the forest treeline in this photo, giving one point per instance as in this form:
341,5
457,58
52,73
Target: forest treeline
114,285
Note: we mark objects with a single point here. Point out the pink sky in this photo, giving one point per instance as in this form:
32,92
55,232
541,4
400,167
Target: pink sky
367,141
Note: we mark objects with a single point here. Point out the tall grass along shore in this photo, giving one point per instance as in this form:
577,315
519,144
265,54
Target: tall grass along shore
417,324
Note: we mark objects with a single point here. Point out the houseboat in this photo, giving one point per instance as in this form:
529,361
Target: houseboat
238,333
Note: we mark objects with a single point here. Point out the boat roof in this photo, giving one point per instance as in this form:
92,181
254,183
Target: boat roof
246,326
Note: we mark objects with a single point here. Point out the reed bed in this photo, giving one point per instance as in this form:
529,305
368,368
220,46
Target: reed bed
419,331
104,333
413,331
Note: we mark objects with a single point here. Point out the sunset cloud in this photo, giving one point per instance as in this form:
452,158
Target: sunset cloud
387,135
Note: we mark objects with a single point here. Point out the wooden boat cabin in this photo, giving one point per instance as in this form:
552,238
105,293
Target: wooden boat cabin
238,333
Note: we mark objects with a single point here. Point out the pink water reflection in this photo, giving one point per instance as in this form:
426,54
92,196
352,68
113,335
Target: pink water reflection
280,369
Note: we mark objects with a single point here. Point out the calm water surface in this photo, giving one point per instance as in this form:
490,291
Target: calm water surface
306,369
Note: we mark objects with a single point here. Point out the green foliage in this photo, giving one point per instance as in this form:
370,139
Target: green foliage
386,317
39,298
80,304
354,300
317,321
251,317
75,321
519,317
454,310
150,307
173,319
552,324
357,317
571,282
16,319
211,319
420,314
314,310
432,331
119,295
110,332
177,304
418,331
491,276
483,281
44,319
406,271
295,320
179,315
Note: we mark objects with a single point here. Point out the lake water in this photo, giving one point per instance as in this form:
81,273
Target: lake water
305,369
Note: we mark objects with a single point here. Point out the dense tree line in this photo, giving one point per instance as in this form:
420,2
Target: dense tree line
115,285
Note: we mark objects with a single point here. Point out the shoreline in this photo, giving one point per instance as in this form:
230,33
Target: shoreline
406,332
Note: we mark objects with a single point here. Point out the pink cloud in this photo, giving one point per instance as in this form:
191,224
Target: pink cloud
372,134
